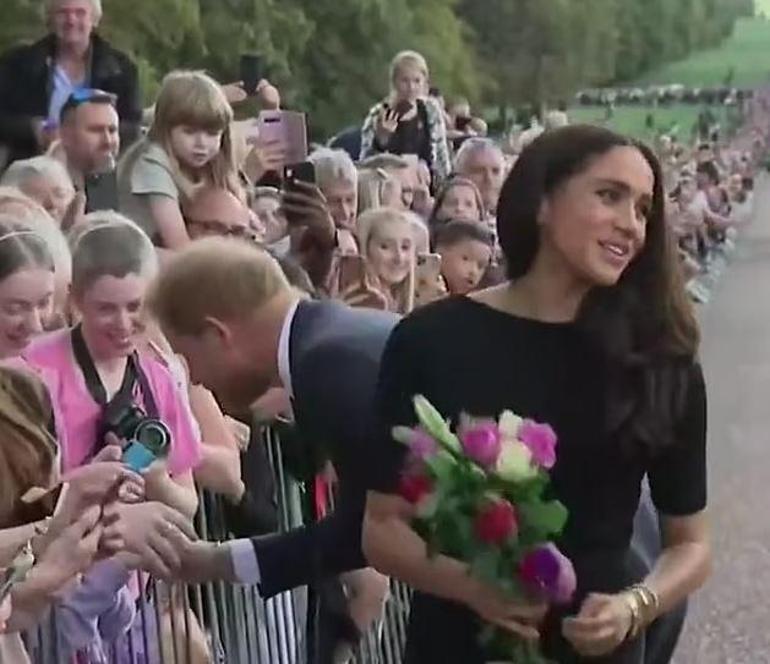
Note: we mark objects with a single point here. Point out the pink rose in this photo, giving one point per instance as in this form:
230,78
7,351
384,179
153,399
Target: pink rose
422,446
541,441
481,442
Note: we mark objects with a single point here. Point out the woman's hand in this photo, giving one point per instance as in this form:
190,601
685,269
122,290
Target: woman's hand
264,157
94,484
71,552
387,123
601,626
522,619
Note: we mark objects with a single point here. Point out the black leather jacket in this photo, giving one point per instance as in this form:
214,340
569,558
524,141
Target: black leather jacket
26,85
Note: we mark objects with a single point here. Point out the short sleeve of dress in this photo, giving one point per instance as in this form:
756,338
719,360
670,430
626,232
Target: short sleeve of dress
151,175
392,406
678,475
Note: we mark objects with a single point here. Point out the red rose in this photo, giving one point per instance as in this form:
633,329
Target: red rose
496,523
414,488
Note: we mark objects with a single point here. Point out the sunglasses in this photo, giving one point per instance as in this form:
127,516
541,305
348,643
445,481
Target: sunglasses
88,96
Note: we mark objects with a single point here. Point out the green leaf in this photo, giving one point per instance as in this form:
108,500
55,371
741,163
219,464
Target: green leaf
547,517
485,565
402,435
435,425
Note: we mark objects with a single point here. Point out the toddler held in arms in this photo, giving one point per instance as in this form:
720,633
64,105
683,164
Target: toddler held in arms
466,254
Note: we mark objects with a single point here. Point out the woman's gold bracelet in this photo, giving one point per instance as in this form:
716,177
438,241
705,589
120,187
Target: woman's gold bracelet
643,604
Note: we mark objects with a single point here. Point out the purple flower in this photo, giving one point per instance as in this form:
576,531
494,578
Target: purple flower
481,442
547,571
541,441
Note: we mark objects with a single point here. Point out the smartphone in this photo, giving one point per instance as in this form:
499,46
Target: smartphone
461,124
352,272
302,172
293,173
251,72
403,107
101,191
288,128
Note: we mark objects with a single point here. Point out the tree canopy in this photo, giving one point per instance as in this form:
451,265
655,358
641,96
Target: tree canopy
331,57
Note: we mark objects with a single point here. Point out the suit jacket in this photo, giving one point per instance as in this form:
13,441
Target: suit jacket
334,356
26,84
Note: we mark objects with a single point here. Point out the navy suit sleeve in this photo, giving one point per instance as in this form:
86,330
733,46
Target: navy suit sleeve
313,552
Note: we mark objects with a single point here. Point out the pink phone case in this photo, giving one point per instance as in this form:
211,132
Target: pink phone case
287,127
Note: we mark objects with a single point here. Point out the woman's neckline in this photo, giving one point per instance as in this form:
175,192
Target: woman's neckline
554,325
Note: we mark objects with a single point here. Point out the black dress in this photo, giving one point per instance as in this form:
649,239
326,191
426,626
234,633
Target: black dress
466,356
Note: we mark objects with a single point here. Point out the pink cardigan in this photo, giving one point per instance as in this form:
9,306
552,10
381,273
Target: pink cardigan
77,414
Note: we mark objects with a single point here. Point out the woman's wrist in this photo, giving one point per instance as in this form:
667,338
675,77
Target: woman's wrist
643,605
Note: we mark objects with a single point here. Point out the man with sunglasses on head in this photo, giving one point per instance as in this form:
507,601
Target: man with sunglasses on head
90,142
36,80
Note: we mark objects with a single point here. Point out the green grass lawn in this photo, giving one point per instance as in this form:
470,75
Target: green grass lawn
631,119
746,52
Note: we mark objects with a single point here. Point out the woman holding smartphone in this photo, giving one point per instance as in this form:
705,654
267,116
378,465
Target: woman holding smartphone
409,121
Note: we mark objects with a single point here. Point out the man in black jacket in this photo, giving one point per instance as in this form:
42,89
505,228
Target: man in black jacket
37,79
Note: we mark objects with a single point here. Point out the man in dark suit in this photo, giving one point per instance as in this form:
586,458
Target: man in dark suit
246,330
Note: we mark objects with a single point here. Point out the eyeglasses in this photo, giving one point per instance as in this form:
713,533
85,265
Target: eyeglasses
222,229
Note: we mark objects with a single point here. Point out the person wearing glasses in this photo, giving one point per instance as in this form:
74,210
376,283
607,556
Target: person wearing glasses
36,80
216,211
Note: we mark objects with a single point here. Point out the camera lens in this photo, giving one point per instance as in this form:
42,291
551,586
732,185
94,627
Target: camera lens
154,435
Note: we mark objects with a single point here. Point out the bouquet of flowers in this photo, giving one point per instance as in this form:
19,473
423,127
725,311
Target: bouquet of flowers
480,496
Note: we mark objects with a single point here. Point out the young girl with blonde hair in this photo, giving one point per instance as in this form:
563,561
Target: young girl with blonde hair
189,147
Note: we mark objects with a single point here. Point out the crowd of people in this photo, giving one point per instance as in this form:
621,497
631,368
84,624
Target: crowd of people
156,265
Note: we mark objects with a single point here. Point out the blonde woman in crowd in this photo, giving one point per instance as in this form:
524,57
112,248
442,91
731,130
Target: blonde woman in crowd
409,121
383,276
32,215
189,146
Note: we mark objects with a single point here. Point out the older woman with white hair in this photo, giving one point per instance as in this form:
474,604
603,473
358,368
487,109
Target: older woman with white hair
44,180
36,80
408,121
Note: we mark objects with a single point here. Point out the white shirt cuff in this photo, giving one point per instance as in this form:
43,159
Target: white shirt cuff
245,562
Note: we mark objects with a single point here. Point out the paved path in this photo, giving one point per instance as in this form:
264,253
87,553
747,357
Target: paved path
729,621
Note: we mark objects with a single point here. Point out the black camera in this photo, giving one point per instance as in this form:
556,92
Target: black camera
132,424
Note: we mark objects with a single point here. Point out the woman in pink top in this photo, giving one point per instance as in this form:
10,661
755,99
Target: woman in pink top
113,262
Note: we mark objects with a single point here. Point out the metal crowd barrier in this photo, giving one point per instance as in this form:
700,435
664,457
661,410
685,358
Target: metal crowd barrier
219,623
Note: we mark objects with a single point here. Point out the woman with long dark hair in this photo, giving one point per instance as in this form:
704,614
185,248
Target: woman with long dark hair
593,334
